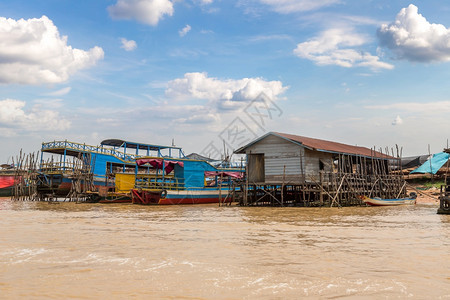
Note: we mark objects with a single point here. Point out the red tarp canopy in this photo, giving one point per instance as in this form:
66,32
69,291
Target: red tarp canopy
224,173
157,163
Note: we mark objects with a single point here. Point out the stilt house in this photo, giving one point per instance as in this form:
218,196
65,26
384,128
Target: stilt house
280,157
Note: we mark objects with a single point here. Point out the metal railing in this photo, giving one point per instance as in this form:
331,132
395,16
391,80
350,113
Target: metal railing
88,148
157,182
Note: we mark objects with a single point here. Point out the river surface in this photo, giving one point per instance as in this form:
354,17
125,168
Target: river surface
125,251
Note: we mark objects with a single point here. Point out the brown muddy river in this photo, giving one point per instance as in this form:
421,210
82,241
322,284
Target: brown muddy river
125,251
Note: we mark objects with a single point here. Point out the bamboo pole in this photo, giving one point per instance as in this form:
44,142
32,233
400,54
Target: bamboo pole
431,166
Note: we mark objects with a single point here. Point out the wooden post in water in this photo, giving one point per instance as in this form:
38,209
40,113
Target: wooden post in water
246,183
220,189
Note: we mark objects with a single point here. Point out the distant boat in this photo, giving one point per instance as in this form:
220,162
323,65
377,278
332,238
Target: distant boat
7,183
10,178
376,201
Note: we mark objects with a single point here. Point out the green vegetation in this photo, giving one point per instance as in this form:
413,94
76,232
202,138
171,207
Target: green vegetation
425,182
436,184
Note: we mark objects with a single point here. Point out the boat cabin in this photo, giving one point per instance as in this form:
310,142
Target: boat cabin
156,173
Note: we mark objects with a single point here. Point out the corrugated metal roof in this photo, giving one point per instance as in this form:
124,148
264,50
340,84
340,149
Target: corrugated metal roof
323,145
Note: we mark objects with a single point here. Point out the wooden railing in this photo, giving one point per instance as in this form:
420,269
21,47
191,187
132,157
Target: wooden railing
57,167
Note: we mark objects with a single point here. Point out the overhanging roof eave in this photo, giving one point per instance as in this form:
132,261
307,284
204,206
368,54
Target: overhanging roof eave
134,145
354,154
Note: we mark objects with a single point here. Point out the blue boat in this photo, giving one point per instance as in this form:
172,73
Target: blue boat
168,181
112,158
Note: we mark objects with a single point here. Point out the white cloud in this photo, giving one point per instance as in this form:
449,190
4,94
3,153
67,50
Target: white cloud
291,6
13,118
185,30
145,11
61,92
128,45
200,118
337,47
413,38
33,52
49,102
227,94
158,84
397,121
204,2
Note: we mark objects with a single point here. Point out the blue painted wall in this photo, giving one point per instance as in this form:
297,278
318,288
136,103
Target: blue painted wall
194,173
100,161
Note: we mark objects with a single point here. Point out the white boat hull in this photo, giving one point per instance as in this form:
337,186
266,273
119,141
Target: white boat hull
389,202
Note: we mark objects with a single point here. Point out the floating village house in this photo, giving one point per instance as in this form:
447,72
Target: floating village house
305,171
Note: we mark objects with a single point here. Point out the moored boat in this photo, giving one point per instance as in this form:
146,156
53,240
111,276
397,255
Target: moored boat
182,181
10,177
67,160
7,183
184,196
376,201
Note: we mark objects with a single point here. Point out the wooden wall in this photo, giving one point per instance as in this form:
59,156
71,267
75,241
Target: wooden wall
312,163
300,163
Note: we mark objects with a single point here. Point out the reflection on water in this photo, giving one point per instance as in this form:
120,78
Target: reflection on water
202,252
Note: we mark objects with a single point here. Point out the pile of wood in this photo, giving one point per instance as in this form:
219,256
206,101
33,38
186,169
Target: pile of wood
32,184
82,179
25,176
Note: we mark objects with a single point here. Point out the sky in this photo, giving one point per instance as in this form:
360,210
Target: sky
212,75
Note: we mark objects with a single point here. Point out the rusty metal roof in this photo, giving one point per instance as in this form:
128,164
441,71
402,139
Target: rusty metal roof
324,146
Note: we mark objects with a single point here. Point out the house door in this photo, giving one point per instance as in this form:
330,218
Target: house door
256,168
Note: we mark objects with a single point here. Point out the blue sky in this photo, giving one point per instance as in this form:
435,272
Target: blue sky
209,73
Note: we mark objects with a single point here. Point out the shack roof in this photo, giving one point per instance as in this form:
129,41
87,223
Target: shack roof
133,145
197,156
321,145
